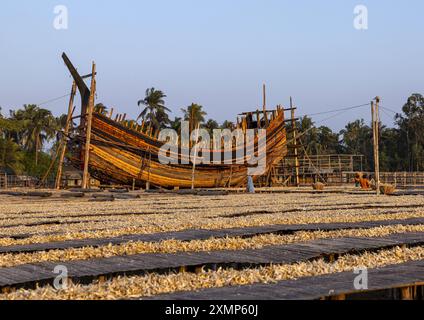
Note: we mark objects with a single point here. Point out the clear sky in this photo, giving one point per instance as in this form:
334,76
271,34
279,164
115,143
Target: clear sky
216,53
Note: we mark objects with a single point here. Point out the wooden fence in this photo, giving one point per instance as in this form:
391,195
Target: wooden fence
12,181
403,179
399,179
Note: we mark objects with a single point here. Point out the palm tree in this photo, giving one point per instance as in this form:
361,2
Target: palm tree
60,125
39,127
155,112
410,123
228,125
211,125
309,136
176,124
10,156
195,115
357,137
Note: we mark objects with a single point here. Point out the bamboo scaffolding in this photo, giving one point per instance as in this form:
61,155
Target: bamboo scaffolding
86,178
66,132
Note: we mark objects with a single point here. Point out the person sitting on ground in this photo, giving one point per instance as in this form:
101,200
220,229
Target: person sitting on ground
358,177
365,183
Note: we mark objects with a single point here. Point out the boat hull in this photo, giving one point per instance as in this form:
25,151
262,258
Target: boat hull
121,155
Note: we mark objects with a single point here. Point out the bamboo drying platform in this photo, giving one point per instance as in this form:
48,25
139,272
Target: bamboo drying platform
57,219
338,286
189,235
38,234
27,276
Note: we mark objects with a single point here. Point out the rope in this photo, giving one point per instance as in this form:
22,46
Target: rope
53,100
388,109
337,110
341,111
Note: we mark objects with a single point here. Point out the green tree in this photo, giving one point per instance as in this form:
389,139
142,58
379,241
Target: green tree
59,125
195,115
228,125
357,139
176,124
38,127
155,113
317,141
10,156
10,128
309,135
211,125
410,123
328,141
391,150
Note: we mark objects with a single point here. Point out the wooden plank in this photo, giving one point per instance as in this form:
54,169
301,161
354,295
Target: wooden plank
142,263
189,235
312,288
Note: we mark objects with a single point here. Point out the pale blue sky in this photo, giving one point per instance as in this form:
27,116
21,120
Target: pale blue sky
216,53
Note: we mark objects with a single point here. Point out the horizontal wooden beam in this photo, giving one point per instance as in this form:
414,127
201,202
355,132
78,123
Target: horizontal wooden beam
88,76
261,112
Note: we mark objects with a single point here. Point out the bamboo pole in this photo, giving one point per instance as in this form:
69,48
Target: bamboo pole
149,172
86,178
63,143
375,124
52,162
258,117
195,158
231,177
296,153
264,106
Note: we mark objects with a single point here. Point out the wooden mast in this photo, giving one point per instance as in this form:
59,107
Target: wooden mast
376,134
63,142
150,170
86,177
296,153
264,106
195,158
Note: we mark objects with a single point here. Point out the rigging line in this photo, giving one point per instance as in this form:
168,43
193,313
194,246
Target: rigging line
387,114
303,133
399,128
311,162
329,118
337,110
388,109
54,99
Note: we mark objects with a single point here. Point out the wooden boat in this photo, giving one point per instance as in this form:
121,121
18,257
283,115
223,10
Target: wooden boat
127,153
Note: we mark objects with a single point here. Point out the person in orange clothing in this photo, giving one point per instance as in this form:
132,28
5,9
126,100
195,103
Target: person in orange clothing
365,183
358,177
